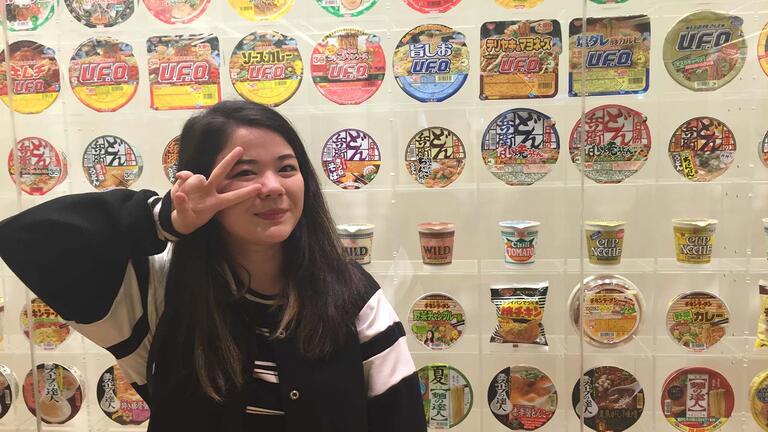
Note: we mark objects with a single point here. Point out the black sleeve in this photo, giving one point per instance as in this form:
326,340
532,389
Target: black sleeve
73,251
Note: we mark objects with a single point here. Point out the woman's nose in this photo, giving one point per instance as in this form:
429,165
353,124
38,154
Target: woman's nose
271,185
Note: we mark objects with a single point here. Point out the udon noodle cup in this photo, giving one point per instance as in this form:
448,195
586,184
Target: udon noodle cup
357,240
520,238
605,241
436,239
694,239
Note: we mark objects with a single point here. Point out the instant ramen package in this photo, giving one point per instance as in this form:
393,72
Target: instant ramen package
519,313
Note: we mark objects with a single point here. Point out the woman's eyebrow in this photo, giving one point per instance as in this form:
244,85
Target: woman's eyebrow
280,158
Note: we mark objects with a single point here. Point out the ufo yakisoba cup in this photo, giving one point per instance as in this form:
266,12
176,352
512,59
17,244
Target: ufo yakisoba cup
357,240
694,239
605,241
436,239
520,238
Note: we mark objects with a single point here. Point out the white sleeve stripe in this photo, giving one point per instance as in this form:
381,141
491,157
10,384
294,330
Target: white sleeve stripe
388,368
125,312
156,216
375,317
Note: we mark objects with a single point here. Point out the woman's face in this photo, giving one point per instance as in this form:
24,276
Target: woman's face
268,160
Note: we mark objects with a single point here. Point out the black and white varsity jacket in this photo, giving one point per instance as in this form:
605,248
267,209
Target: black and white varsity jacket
103,267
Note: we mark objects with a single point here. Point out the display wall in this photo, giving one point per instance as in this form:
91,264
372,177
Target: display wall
506,118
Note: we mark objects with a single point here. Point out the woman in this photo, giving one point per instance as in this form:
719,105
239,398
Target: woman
228,302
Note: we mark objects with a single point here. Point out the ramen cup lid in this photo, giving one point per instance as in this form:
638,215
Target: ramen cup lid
694,223
604,225
355,228
431,227
518,224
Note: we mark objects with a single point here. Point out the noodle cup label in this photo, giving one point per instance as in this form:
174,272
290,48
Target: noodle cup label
758,399
612,309
762,322
437,321
520,146
519,59
763,150
432,6
177,11
694,239
104,74
697,399
604,2
520,238
348,66
96,14
605,241
28,15
34,74
184,71
519,313
522,398
697,320
702,149
49,330
261,10
705,50
9,390
110,162
118,400
618,141
447,395
613,399
431,62
618,56
351,158
346,8
435,157
518,4
762,49
357,241
41,166
266,68
436,239
171,159
61,391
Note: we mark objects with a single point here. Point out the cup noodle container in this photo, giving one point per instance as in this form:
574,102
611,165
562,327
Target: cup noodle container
436,240
357,240
605,241
520,238
694,239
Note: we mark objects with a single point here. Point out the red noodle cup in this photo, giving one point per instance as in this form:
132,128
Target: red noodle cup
357,240
520,238
436,240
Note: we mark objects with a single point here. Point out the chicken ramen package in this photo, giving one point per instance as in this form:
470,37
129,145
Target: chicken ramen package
519,313
762,323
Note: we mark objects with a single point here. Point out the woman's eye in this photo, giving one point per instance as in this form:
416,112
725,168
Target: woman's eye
244,173
288,168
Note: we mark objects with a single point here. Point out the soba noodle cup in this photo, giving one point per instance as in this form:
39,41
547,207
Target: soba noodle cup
357,240
520,238
436,240
694,239
605,241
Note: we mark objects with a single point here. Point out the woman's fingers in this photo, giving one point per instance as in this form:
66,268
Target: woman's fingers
219,172
231,198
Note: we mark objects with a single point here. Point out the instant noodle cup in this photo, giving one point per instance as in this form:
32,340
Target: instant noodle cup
346,8
261,10
520,238
758,399
436,240
437,321
605,241
49,330
94,14
518,4
613,308
432,6
697,320
26,15
697,399
177,11
9,390
614,399
61,391
446,394
694,239
762,322
171,159
702,149
351,158
522,397
104,74
762,49
435,157
118,400
357,240
519,313
35,77
42,166
110,162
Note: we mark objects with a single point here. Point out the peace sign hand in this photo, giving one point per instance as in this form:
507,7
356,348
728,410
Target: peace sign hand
197,199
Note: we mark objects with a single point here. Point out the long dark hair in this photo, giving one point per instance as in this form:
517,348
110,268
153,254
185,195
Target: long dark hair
324,291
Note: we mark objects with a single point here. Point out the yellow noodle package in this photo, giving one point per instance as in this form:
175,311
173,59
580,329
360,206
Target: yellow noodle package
762,323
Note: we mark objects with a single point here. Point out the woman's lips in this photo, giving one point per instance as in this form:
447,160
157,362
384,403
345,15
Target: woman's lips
272,214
